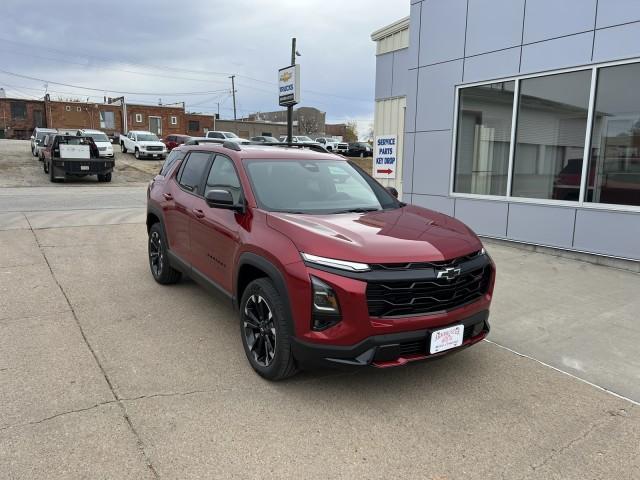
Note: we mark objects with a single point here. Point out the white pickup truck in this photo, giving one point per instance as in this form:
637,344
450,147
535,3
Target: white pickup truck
143,144
333,145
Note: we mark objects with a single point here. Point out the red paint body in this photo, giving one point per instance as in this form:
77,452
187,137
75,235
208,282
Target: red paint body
212,241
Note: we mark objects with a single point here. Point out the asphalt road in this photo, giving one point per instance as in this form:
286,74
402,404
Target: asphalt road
106,374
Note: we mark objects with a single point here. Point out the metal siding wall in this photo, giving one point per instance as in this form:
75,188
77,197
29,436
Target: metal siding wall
437,36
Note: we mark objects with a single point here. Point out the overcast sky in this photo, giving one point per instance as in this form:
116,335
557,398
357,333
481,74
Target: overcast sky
163,48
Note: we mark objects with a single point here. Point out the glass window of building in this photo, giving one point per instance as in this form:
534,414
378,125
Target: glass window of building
550,136
614,167
483,138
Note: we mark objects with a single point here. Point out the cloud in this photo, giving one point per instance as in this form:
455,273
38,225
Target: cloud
116,45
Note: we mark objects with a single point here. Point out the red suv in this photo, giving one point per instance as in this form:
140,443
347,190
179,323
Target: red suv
324,265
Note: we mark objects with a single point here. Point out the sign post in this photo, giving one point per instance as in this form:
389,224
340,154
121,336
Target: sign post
385,156
289,89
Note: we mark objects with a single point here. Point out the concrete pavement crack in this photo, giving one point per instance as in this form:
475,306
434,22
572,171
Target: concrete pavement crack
61,414
116,398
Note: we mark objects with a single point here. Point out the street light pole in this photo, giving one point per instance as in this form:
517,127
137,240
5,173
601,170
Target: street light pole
290,107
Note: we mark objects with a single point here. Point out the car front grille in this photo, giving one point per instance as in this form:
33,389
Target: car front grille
154,149
390,298
102,149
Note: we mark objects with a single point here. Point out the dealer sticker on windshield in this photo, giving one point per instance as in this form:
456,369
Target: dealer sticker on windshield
446,339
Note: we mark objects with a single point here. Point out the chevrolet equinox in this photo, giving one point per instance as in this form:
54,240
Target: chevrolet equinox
324,265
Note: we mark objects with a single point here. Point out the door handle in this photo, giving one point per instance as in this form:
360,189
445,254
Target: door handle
167,196
198,213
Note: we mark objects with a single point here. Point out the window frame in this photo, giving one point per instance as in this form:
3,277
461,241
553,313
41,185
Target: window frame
138,116
173,120
581,203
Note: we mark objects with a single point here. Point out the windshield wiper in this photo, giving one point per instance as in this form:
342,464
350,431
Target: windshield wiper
358,210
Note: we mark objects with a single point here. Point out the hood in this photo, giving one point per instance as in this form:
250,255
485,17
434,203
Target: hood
104,144
408,234
153,143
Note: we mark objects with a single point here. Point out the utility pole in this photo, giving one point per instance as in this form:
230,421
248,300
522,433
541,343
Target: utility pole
290,107
233,91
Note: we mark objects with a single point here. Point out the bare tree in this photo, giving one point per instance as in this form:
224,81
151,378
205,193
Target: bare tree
351,132
308,125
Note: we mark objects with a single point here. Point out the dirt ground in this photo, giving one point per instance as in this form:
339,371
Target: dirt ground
18,168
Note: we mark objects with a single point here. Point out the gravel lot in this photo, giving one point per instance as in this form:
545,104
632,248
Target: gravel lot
18,168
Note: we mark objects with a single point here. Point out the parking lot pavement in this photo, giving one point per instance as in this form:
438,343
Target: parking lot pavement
106,374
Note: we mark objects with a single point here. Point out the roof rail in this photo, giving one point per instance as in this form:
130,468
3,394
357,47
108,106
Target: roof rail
232,146
310,146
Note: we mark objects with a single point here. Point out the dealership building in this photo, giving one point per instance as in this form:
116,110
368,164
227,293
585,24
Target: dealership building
522,118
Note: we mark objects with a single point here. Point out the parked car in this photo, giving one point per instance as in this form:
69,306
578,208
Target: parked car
37,137
298,139
333,145
265,139
201,140
143,144
103,143
73,155
225,136
360,149
172,141
322,263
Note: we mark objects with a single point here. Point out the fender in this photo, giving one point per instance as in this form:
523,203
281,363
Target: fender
274,274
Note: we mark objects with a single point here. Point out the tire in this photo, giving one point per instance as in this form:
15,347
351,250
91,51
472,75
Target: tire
104,178
33,152
52,179
361,154
45,167
123,148
137,154
162,271
258,331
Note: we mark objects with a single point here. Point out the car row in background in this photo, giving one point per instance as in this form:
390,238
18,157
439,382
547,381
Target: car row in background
360,149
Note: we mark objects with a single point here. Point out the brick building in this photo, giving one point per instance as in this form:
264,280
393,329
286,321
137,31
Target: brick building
307,120
18,117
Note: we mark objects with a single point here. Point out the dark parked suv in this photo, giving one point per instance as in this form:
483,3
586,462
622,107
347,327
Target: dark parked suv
324,265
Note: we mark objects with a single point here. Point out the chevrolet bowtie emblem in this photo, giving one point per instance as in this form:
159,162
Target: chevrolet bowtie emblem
448,273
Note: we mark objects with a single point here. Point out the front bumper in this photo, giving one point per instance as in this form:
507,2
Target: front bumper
388,350
158,154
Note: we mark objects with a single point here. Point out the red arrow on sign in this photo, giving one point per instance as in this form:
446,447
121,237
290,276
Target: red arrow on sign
387,171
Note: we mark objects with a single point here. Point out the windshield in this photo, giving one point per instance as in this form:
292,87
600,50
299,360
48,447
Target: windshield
321,187
41,135
147,137
230,135
304,139
97,137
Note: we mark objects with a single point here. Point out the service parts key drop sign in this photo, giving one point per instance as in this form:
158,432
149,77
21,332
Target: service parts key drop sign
385,156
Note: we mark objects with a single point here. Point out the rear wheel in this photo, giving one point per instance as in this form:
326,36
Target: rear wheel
45,167
137,154
264,331
52,178
161,270
104,177
123,148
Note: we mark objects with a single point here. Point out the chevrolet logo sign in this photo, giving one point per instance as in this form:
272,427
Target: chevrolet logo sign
448,273
285,77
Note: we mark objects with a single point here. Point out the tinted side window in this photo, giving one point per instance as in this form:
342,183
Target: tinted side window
223,175
192,171
174,156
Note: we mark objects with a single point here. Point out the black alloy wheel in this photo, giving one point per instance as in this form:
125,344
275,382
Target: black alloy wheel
259,330
161,270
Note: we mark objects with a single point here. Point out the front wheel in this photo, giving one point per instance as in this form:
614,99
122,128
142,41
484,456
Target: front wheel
123,148
361,154
161,270
137,154
264,331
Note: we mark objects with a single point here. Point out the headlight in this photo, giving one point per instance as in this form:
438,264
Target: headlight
334,263
325,307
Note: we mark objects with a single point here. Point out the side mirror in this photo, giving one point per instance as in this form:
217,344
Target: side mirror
393,191
221,198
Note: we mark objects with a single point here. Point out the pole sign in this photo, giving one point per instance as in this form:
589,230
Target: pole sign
289,85
385,156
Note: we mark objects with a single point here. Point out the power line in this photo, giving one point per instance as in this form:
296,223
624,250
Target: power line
109,90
